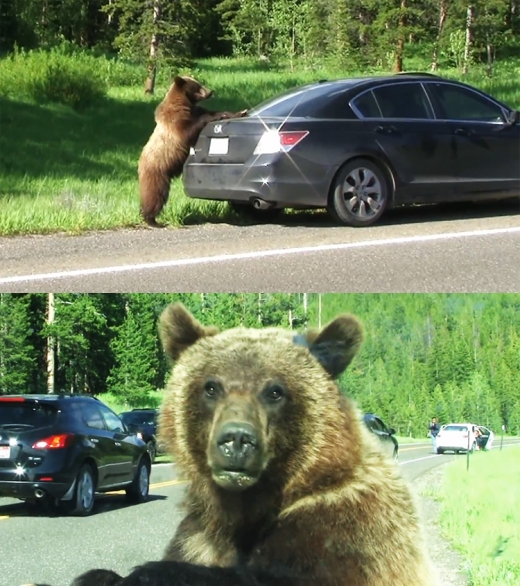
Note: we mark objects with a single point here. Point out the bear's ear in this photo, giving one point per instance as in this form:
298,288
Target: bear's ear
335,345
179,81
178,330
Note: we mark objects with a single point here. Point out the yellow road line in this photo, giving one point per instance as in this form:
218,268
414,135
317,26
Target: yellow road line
152,486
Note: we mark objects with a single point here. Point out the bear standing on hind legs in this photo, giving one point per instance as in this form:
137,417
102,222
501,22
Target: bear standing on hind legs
179,120
287,486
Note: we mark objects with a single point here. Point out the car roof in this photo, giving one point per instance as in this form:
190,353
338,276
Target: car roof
49,397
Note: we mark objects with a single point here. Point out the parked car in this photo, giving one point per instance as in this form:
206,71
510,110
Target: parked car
461,437
359,146
143,422
62,449
384,433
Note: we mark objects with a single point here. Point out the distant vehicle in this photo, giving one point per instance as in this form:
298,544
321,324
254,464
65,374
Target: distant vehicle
358,146
460,437
143,422
386,434
62,449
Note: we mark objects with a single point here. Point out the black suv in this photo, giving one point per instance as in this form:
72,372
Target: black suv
143,422
61,449
386,434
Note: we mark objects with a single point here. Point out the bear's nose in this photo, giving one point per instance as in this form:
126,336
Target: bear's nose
237,441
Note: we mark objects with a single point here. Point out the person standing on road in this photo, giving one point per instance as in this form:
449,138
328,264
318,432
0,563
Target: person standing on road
433,431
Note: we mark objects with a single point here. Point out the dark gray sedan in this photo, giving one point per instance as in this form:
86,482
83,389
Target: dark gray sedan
359,146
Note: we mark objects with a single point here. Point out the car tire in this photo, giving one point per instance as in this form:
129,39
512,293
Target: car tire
370,191
440,451
250,213
84,492
138,491
150,446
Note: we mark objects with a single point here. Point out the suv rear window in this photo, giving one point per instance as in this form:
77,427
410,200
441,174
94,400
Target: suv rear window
455,428
139,418
27,414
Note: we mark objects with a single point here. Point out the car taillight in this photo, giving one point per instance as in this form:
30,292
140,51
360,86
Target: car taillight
464,435
61,440
274,141
438,435
12,399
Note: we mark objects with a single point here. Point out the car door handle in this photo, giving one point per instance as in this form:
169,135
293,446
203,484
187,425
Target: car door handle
463,131
386,129
94,440
118,443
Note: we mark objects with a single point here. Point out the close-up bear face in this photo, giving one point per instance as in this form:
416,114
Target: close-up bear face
238,399
192,88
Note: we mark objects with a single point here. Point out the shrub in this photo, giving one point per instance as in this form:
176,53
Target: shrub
56,75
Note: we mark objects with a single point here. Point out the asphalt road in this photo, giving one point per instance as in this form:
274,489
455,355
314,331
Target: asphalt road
458,248
42,549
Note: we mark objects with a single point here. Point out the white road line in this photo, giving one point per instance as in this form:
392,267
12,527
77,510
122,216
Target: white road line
258,254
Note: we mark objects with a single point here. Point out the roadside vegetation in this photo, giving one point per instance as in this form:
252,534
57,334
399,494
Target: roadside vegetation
452,356
481,517
74,116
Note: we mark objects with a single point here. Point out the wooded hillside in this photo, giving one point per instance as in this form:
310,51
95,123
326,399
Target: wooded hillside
455,356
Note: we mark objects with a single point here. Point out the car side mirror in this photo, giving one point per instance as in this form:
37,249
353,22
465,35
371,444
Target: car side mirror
391,431
512,118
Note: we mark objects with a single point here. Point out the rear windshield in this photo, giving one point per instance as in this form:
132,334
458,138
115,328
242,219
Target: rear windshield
305,101
139,418
455,428
26,415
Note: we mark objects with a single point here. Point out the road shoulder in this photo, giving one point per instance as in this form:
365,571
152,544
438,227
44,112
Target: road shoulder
448,562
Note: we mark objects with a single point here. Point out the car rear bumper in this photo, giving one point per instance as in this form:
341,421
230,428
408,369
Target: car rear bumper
29,490
280,182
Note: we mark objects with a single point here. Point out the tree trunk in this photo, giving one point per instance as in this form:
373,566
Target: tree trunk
443,13
149,85
470,17
398,65
50,345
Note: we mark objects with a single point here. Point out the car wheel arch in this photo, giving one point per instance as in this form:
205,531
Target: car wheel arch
383,164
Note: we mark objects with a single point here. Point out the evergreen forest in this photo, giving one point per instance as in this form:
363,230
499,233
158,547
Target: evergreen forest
347,31
454,356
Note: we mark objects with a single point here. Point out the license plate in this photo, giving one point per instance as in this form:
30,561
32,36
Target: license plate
218,146
5,452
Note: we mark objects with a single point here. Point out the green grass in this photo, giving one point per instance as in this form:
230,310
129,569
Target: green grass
64,169
411,440
481,516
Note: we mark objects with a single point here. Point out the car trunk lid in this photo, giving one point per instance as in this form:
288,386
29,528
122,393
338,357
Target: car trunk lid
234,141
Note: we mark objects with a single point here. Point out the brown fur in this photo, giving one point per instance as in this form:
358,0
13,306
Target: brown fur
315,501
179,121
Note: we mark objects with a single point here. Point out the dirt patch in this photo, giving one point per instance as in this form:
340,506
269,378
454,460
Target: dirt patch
450,566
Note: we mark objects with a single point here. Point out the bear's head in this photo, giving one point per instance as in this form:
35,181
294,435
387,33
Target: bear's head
246,404
191,88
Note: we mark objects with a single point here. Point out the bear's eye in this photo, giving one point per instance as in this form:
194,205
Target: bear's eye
274,393
211,389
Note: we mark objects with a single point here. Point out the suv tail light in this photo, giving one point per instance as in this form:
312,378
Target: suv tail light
61,440
274,141
12,399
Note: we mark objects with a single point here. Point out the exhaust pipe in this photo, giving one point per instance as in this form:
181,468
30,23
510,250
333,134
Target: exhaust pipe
260,204
39,493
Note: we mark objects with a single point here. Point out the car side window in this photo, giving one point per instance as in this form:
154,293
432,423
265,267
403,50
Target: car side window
367,106
112,420
92,416
403,100
458,103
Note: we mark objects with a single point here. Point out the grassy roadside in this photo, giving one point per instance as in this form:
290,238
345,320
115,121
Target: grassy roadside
481,517
68,170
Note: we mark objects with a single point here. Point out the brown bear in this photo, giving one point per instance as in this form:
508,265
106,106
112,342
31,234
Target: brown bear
287,485
179,121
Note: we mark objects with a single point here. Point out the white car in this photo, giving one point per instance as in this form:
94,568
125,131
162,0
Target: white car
458,437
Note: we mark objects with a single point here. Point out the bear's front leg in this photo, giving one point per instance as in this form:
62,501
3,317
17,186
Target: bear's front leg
98,578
